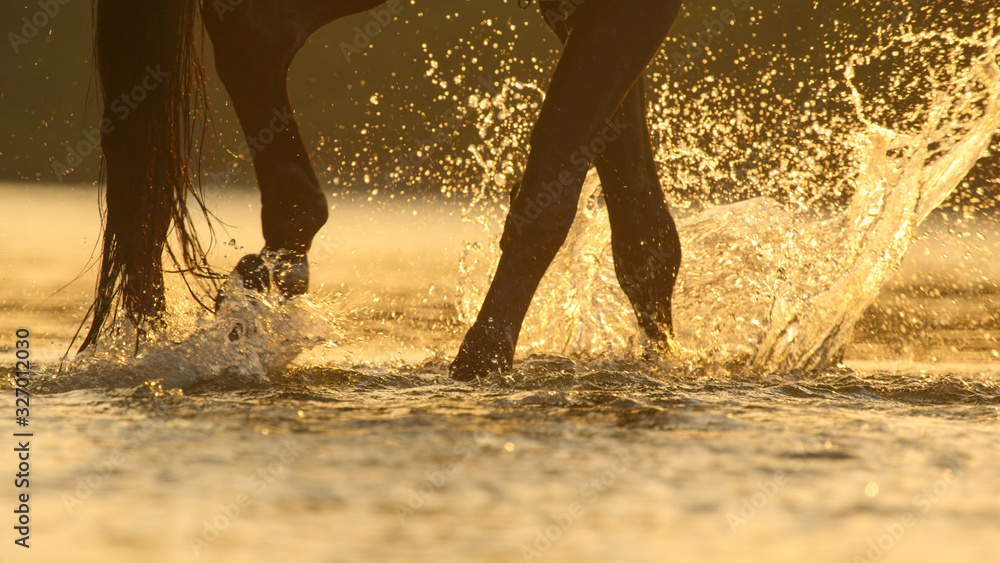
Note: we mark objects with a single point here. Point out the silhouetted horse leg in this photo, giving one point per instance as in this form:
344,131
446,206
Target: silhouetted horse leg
644,239
608,47
255,42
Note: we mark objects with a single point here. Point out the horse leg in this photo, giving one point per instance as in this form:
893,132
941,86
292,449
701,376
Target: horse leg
644,239
608,46
255,42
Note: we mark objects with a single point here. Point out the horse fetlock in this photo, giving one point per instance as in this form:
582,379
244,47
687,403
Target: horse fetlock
293,208
656,323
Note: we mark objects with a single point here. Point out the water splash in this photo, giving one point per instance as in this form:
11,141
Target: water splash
772,284
251,337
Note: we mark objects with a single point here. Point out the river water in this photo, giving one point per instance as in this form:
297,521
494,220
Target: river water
364,450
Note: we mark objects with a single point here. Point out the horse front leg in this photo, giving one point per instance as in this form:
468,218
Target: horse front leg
609,44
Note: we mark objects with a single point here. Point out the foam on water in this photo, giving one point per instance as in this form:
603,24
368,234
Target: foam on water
250,337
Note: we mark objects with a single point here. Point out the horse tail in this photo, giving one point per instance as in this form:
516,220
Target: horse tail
150,77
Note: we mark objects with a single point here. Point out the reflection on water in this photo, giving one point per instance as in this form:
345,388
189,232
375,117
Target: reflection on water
325,428
366,451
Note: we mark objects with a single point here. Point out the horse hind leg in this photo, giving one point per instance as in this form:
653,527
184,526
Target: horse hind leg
644,239
608,47
254,43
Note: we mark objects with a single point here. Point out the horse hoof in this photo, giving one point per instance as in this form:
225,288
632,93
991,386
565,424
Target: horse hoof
253,272
291,273
288,271
482,352
250,272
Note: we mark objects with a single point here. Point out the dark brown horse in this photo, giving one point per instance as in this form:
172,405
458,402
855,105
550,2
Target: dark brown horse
594,115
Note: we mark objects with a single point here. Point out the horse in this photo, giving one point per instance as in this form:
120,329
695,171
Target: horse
594,115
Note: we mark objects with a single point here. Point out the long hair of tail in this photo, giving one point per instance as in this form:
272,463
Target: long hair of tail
152,85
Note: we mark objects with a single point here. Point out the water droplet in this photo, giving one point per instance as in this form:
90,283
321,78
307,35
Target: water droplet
871,489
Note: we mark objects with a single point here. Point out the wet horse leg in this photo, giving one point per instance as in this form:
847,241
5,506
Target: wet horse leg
644,239
608,47
255,42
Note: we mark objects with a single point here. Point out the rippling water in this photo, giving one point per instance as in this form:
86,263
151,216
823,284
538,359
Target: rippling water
834,394
364,450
